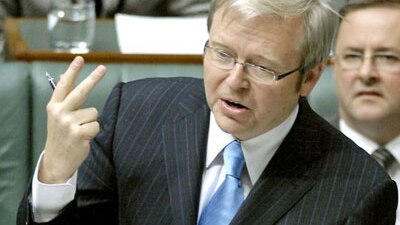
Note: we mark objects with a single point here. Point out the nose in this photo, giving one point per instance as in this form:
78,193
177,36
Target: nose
237,78
368,71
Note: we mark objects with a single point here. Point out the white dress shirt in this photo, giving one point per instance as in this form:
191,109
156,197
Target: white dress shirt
48,200
370,146
257,153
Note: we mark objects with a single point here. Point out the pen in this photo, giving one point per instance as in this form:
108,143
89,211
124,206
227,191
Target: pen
51,80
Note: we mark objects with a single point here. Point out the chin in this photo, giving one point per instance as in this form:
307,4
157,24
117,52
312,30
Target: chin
369,117
228,125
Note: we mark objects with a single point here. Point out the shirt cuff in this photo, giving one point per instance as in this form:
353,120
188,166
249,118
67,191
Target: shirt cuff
49,199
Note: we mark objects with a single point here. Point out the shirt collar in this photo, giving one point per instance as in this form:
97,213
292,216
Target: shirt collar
394,147
367,144
362,141
217,140
257,151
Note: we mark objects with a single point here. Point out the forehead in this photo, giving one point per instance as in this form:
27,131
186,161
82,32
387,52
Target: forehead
269,35
375,27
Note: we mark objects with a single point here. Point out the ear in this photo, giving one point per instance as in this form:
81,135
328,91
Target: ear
311,78
331,60
334,65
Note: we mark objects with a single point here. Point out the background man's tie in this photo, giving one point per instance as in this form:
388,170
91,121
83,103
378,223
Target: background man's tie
229,196
384,157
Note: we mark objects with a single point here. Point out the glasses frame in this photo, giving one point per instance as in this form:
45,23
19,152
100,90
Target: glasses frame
275,77
339,57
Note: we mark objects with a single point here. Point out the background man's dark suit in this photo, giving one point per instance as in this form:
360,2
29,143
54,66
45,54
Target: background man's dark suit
146,167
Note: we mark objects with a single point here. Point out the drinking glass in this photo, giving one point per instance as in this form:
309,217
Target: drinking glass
71,25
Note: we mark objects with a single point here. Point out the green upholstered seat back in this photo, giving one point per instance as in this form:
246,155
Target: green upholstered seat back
14,137
323,97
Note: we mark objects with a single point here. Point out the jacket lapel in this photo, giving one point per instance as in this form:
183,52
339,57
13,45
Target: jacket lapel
288,176
184,152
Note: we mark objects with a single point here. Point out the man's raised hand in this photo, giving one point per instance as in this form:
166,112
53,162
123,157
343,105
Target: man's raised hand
69,127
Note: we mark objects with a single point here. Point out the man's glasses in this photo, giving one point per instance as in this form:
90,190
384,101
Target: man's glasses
383,62
259,73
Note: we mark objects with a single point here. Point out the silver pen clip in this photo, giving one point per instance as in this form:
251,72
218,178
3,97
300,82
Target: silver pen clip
51,80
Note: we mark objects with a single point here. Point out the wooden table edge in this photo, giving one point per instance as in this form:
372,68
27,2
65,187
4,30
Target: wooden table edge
19,50
15,44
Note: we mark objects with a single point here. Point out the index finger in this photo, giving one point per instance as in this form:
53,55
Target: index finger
67,80
78,95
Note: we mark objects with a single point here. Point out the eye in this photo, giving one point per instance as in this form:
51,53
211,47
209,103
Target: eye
387,58
262,68
222,54
351,57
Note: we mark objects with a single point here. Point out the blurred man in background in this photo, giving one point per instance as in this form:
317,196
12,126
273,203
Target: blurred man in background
367,74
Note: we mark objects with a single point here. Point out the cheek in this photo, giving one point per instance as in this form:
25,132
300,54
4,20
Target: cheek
276,102
209,72
344,83
273,110
211,82
392,88
392,82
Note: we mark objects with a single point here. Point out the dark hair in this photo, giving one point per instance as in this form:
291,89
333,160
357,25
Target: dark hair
352,5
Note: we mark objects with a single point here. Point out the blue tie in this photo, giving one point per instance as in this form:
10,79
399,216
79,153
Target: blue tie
229,196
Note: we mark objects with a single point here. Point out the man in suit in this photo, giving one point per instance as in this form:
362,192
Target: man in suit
160,155
367,76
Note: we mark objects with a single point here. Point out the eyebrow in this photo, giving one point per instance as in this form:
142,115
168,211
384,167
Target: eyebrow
218,44
386,49
270,63
378,50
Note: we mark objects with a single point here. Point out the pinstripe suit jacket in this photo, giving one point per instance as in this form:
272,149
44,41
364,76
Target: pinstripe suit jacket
146,166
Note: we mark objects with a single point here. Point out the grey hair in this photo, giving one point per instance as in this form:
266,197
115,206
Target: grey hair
319,20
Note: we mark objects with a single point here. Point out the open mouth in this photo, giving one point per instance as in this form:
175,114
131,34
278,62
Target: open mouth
235,105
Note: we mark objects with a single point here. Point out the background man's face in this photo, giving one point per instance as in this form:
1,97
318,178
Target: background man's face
369,93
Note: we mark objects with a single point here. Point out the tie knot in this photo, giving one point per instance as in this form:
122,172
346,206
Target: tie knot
233,159
384,157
